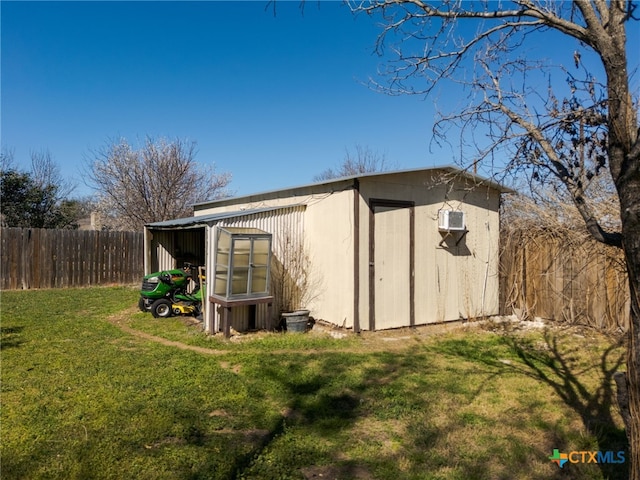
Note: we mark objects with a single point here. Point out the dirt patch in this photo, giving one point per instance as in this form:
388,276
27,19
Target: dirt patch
220,412
384,340
234,368
336,472
165,442
119,320
250,435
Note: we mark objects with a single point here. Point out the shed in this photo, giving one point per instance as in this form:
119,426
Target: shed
367,252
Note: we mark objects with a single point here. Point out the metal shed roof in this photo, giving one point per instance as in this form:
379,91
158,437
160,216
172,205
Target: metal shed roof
480,180
207,220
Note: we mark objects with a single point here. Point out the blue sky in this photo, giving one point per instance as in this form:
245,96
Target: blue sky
272,99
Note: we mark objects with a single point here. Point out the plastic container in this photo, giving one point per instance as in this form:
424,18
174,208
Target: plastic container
297,321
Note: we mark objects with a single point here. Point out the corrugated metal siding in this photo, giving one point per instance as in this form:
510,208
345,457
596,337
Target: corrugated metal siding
189,247
162,251
240,318
172,248
285,223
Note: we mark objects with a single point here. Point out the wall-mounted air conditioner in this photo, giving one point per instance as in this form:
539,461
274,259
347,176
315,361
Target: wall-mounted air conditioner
451,221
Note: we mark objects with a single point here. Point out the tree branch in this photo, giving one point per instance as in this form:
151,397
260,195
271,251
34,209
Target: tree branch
575,189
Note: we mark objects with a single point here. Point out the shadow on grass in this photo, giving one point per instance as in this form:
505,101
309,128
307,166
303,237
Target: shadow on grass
555,368
310,401
10,337
316,415
553,364
325,401
395,389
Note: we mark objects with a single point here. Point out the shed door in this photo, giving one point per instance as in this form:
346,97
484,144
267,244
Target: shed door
391,271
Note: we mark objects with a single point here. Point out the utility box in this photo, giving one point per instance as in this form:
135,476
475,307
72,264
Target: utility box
242,263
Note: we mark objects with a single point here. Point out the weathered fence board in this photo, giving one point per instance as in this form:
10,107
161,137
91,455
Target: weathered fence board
550,276
39,258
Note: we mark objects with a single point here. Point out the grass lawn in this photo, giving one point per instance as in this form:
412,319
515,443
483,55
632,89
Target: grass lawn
84,396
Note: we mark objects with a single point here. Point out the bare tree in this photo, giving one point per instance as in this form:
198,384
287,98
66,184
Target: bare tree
364,160
45,171
7,159
159,181
568,131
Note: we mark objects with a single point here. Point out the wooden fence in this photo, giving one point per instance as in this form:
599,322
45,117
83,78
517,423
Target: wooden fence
41,258
553,276
542,275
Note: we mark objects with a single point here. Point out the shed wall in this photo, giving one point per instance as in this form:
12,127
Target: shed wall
329,242
324,233
456,276
306,195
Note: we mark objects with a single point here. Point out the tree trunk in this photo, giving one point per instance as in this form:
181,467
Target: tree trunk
625,166
631,231
624,163
633,387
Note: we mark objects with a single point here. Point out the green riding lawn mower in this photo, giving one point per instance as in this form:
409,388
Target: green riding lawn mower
173,292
